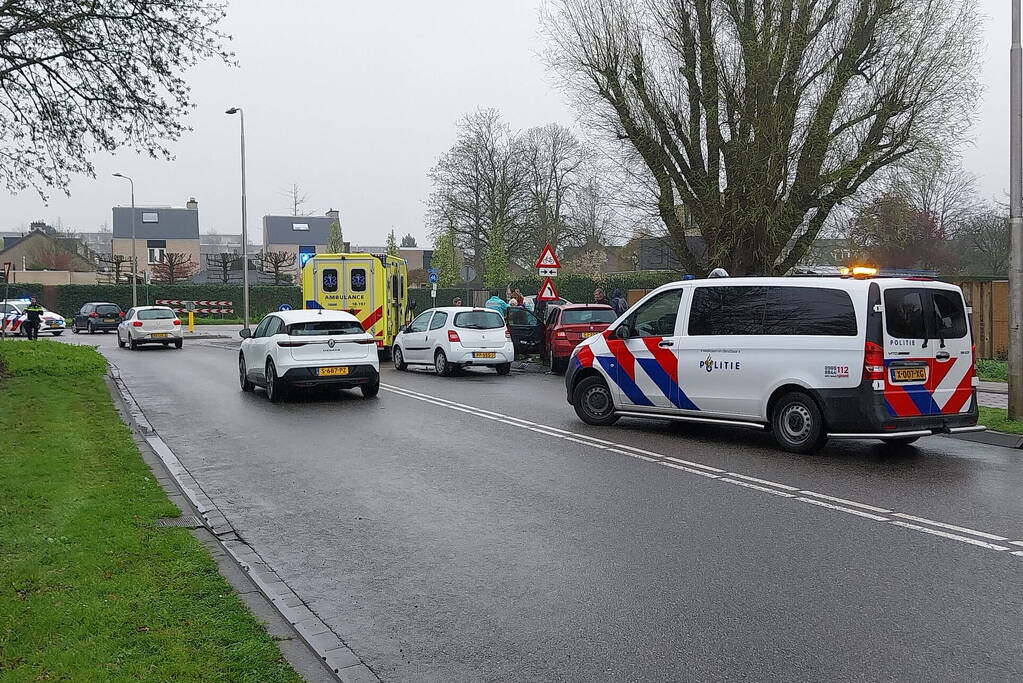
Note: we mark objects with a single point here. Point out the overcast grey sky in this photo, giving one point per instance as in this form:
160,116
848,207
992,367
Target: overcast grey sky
354,101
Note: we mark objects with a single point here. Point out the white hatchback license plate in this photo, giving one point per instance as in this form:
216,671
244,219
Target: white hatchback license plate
160,335
484,354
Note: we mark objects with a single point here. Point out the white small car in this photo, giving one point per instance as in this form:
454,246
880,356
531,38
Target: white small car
149,325
455,336
308,348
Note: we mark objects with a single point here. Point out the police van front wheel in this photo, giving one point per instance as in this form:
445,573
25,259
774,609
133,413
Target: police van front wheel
593,402
798,424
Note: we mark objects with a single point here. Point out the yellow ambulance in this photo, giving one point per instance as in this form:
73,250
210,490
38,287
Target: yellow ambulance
372,287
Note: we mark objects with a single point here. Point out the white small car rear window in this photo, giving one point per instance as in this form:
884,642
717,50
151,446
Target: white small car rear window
479,320
156,314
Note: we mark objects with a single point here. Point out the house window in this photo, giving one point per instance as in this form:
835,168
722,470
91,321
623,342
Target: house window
157,250
300,226
150,217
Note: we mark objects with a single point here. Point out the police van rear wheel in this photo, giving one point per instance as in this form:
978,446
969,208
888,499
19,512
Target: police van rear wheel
593,402
797,424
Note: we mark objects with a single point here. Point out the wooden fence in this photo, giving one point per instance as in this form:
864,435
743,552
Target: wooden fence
990,318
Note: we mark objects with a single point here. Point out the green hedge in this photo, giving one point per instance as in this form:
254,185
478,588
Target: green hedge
262,298
19,290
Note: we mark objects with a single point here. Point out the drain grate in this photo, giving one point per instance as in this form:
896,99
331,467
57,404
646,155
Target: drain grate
187,521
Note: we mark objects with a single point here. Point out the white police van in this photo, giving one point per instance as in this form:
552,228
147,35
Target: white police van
807,358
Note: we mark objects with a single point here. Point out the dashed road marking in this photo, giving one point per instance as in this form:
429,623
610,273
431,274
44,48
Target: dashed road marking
851,507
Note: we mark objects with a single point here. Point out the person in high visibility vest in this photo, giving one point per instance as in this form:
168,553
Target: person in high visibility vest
33,319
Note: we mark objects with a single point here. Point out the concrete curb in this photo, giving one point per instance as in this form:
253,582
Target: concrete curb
206,336
255,575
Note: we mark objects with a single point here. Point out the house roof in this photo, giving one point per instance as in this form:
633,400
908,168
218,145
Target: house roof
172,223
79,262
281,230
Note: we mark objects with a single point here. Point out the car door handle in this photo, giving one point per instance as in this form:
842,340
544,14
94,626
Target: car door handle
942,355
666,343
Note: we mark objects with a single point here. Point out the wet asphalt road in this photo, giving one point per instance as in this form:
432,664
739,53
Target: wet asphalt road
445,544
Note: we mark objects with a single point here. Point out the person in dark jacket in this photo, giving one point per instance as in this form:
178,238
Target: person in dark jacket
618,302
33,319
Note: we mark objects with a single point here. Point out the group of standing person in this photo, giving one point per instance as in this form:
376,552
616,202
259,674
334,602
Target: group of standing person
515,299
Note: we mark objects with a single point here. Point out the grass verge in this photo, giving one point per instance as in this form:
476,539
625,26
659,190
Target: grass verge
993,370
90,588
998,420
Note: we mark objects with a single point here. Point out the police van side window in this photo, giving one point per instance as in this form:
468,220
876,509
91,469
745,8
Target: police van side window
657,317
784,311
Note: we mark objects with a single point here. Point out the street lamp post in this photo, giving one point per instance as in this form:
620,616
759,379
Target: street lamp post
134,261
245,231
1016,219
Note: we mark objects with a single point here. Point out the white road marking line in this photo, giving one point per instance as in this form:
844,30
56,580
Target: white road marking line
846,502
755,486
708,471
831,506
672,465
764,481
596,441
945,534
953,527
680,461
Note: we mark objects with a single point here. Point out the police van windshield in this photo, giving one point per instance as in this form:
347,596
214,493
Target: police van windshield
479,320
156,314
580,316
324,327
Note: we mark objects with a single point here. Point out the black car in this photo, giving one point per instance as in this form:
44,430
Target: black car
96,317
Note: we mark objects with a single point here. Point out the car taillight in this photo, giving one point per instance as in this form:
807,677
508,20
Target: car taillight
137,323
94,315
453,336
561,334
873,361
291,344
368,340
507,333
176,322
121,314
973,358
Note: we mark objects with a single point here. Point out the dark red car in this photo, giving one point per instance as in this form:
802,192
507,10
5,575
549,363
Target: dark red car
568,325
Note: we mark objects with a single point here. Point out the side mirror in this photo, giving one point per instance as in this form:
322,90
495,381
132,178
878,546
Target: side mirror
622,332
245,333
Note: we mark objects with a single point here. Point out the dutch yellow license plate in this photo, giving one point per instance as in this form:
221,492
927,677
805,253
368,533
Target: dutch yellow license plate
159,335
909,374
587,335
332,372
484,354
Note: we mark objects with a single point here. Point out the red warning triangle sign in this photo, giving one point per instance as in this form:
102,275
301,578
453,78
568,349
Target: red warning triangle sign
547,291
548,259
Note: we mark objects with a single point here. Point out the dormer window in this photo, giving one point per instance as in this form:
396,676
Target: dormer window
300,226
150,217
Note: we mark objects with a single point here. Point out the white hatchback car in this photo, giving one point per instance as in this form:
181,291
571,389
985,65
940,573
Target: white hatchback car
308,348
149,325
455,336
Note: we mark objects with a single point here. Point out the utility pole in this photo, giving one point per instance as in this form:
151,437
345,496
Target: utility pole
1016,219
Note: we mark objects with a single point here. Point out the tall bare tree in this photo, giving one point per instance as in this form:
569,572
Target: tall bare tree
762,117
82,76
114,268
297,199
987,235
479,186
554,160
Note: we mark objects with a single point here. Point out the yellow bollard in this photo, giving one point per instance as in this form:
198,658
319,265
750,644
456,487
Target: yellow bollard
191,322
